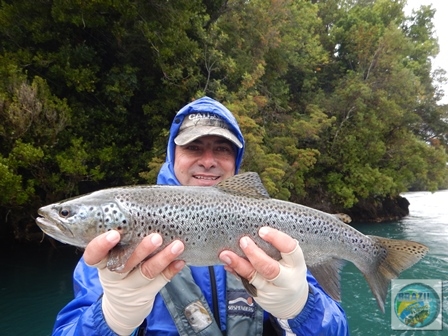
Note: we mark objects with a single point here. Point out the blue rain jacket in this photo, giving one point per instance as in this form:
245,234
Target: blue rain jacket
83,315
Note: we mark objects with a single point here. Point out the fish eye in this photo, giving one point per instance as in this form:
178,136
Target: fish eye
64,212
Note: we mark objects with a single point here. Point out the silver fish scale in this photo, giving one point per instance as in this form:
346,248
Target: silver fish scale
207,219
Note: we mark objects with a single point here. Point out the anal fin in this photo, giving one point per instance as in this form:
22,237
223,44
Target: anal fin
327,275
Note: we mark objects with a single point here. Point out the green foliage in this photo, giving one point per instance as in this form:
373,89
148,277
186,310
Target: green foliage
31,122
375,95
336,98
11,187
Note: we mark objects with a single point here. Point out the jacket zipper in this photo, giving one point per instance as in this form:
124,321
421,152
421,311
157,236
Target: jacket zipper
211,271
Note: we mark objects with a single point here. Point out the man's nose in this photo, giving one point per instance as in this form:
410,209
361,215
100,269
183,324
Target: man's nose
208,159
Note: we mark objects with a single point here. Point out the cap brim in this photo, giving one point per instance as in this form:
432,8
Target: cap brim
192,133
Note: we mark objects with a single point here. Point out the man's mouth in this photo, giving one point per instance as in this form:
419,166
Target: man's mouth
208,178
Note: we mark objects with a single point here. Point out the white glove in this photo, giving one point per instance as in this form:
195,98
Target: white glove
285,295
128,297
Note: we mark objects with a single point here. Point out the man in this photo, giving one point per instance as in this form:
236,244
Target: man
160,296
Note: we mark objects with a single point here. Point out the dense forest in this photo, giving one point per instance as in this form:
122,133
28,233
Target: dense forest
337,98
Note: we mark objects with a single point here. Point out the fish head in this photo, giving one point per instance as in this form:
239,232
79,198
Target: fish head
78,221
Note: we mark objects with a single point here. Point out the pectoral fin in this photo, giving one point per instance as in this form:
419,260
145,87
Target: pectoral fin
119,255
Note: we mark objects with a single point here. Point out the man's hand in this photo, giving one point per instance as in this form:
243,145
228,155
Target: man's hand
129,296
282,288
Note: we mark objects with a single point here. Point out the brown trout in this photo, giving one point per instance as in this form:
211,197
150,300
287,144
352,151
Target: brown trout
211,219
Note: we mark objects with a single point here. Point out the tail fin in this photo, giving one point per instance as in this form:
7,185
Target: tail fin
395,257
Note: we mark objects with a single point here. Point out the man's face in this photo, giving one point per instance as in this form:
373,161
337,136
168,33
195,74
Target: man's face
205,161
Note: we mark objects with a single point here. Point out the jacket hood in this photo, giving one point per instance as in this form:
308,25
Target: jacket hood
203,105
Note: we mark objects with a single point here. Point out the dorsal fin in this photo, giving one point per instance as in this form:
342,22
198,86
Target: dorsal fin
246,184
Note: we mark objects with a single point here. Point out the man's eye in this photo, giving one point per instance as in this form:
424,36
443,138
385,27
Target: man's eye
224,149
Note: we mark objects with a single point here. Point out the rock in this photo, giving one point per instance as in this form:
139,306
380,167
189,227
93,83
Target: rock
380,210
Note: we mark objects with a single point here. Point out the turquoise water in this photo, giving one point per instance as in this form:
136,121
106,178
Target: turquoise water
35,282
427,224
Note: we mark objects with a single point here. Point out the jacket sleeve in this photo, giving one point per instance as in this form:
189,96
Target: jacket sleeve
83,315
320,316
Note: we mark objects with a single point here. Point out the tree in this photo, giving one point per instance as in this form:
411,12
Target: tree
336,98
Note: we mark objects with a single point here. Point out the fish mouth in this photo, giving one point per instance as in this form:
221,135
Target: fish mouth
54,229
